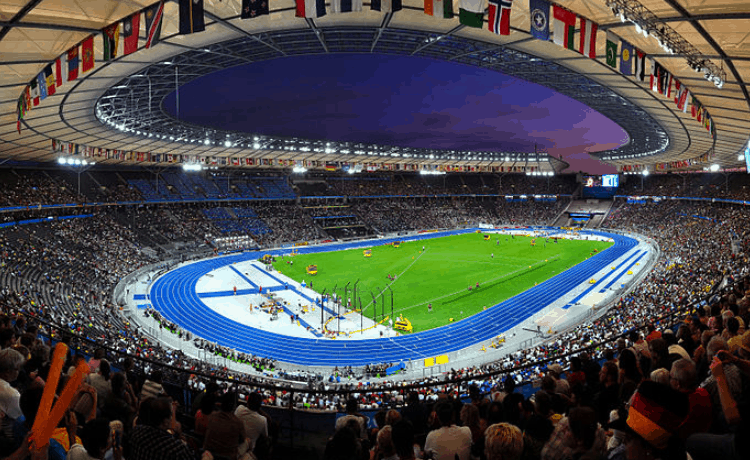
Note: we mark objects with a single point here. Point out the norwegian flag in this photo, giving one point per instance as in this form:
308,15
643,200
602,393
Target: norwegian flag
499,16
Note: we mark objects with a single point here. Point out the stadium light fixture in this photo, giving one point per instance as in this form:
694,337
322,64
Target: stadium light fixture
299,170
645,172
191,167
714,167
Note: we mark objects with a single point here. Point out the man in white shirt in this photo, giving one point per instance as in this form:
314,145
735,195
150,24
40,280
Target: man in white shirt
256,425
449,440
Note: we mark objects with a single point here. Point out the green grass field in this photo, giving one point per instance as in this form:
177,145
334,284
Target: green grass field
442,273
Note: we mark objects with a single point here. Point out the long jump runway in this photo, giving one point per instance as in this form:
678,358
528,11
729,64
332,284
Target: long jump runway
175,296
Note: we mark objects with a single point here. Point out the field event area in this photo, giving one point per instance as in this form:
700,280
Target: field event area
457,275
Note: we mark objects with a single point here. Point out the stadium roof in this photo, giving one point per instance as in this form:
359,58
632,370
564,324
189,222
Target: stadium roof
703,34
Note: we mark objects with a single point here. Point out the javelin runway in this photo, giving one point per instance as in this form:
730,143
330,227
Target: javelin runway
174,296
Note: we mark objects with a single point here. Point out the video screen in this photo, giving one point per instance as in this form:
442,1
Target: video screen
747,157
608,180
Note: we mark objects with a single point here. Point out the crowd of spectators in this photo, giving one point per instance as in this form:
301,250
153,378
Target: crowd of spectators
63,272
731,186
30,188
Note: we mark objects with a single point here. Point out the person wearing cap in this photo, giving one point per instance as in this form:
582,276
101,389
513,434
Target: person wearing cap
561,385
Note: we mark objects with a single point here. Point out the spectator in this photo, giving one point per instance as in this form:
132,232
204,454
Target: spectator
503,441
256,425
449,441
154,436
224,431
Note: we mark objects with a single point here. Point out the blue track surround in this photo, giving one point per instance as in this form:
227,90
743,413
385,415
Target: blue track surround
174,295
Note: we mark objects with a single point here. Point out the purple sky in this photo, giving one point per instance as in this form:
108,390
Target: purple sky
398,100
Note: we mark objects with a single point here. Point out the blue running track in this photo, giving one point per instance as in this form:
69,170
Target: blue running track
173,294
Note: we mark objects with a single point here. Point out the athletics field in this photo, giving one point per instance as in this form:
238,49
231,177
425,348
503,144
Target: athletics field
504,266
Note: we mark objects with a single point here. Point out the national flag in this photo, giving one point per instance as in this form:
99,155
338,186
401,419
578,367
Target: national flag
49,78
665,83
587,46
191,16
61,71
386,6
317,8
345,6
27,95
640,65
130,29
498,18
21,109
683,98
154,15
564,27
626,58
612,50
471,13
695,106
111,35
87,51
539,10
330,167
42,82
73,63
439,8
34,91
255,8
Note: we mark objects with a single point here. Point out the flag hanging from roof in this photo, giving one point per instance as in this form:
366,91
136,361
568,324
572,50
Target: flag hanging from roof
612,50
695,106
87,52
130,28
626,58
439,8
191,17
471,13
498,18
345,6
49,78
587,45
42,82
111,35
254,8
315,8
665,83
640,65
683,98
386,6
564,27
34,91
539,10
154,15
61,69
73,63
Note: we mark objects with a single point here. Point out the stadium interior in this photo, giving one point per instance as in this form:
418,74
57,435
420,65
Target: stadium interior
118,176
